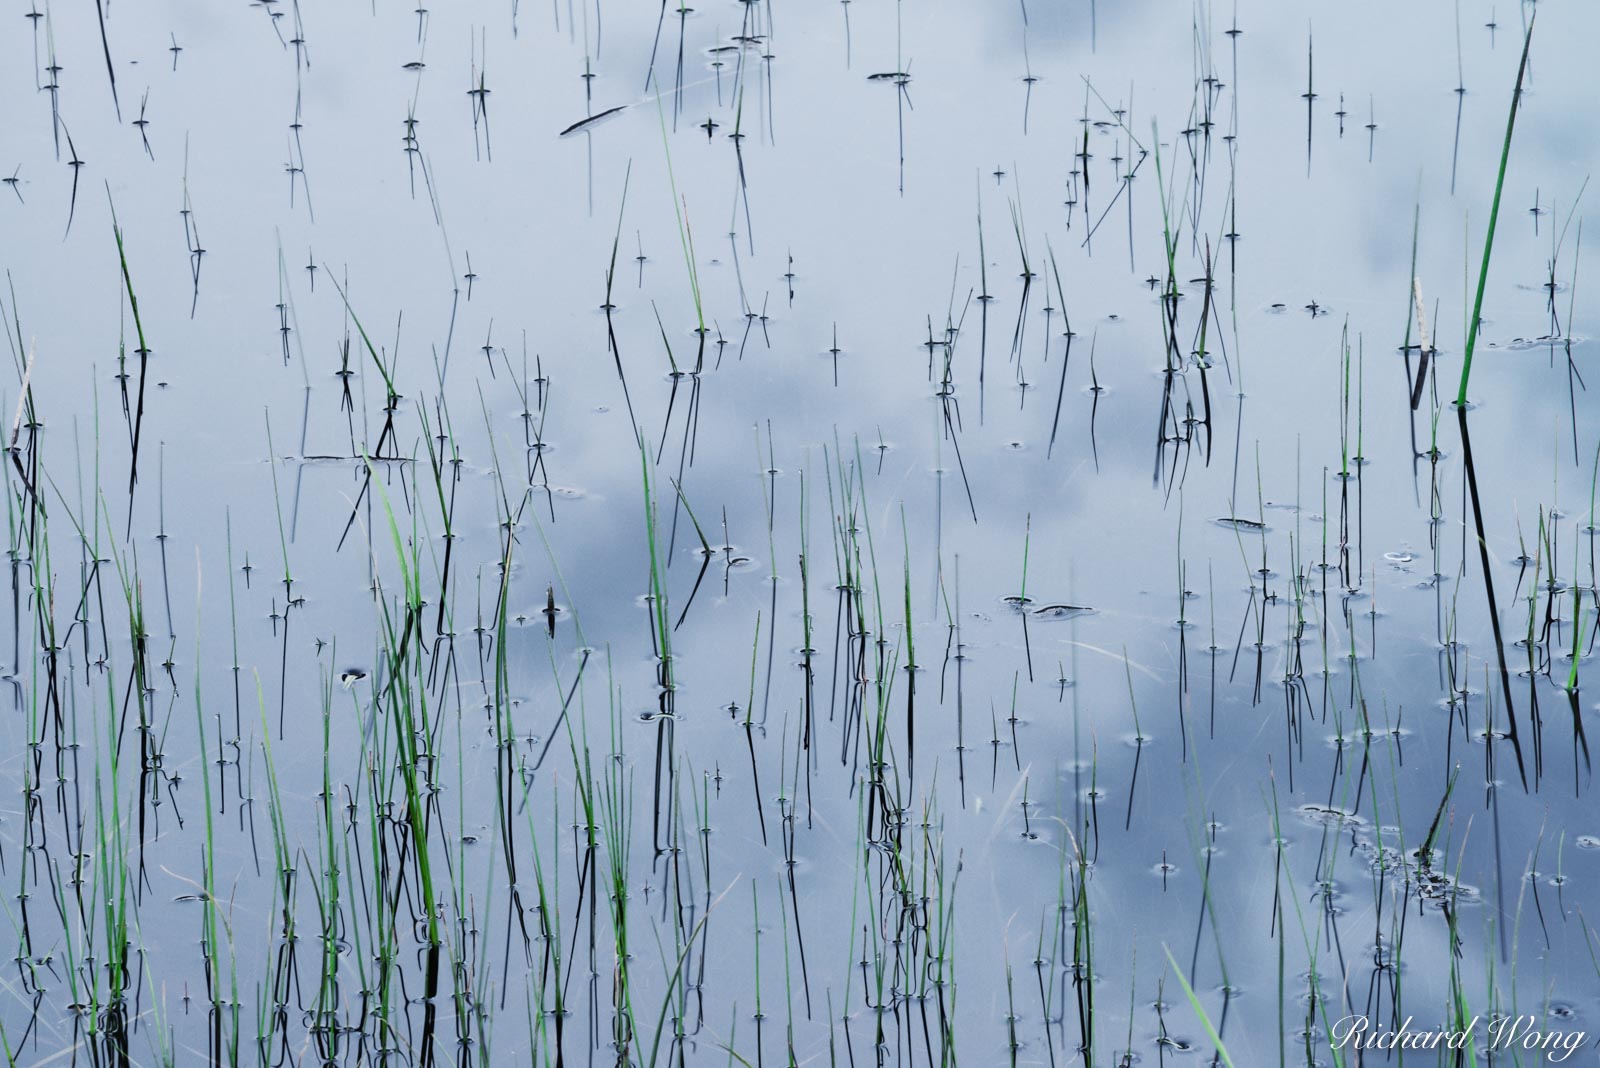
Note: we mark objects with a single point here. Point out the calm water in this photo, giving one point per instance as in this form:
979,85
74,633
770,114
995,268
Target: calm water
951,588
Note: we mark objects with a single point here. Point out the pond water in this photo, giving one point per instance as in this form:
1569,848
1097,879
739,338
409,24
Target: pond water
839,533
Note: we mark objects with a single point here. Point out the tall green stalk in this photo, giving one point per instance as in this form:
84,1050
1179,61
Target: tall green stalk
1494,214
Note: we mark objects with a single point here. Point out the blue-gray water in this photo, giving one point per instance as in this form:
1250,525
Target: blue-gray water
926,243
